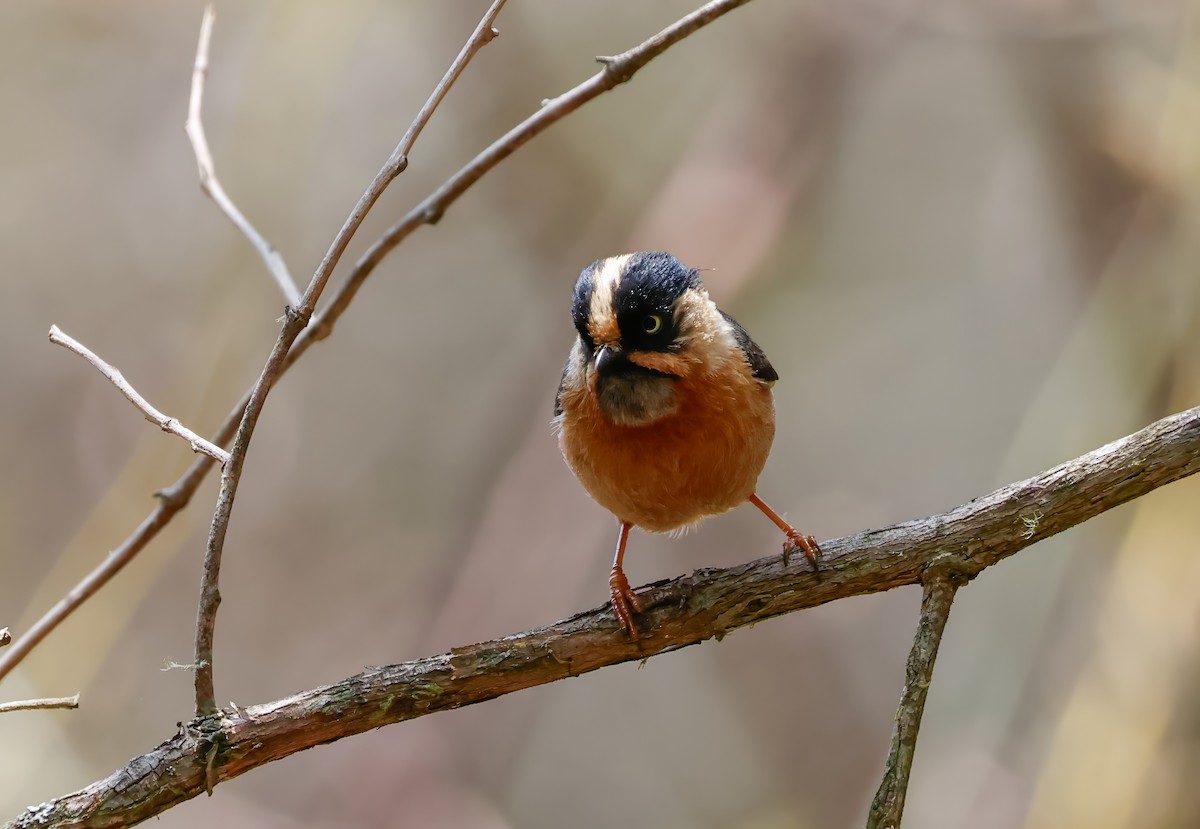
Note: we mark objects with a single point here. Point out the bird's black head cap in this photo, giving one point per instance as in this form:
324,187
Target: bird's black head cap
644,297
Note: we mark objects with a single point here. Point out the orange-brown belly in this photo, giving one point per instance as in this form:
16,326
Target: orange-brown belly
700,461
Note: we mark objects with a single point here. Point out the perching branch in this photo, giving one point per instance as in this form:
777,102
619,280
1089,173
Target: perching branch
177,495
194,127
683,611
888,806
167,424
295,320
33,704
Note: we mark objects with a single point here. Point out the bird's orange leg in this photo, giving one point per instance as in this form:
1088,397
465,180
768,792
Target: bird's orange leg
805,542
624,600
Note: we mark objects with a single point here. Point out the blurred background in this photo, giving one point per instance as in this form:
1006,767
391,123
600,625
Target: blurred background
966,234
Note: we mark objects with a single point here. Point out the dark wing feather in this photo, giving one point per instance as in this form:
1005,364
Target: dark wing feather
759,364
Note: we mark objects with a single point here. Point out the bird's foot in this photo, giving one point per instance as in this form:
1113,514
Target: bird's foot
625,602
800,541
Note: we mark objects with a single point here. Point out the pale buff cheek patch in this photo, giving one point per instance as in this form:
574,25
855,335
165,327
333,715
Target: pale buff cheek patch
671,364
708,341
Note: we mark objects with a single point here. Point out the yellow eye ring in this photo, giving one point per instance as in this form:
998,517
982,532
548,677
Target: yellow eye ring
652,324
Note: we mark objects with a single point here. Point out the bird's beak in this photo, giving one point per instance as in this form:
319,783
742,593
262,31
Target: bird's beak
606,359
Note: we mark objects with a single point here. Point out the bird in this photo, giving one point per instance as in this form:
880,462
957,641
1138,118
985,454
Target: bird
664,411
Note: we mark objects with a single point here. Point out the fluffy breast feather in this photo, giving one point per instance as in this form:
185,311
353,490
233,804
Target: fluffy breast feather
662,476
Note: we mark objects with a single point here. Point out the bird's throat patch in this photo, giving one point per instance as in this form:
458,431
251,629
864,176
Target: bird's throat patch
636,399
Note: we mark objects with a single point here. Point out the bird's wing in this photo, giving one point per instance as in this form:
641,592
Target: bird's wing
759,364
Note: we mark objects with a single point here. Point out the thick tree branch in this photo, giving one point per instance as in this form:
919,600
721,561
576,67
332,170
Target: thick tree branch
167,424
177,495
211,185
888,806
680,612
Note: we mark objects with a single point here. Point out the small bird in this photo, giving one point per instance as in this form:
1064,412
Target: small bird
664,411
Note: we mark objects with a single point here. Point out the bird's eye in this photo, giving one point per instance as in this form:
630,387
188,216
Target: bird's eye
652,324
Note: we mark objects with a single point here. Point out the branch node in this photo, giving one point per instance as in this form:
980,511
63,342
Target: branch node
297,318
947,567
616,67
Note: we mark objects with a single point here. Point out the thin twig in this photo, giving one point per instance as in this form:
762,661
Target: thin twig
167,424
888,806
176,497
296,319
684,611
211,185
34,704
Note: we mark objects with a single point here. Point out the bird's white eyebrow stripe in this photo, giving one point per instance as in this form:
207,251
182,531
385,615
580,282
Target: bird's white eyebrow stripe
604,285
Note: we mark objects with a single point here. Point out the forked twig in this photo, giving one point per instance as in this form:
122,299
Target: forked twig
177,495
211,185
295,321
167,424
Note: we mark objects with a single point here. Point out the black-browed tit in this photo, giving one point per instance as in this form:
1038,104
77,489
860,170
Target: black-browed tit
664,410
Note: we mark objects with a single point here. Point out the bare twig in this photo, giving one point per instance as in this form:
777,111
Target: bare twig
33,704
211,185
888,806
296,319
167,424
708,604
176,497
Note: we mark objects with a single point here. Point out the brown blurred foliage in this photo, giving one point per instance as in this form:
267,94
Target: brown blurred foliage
966,234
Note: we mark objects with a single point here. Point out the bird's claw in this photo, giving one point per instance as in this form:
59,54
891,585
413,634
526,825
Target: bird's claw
624,601
805,543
